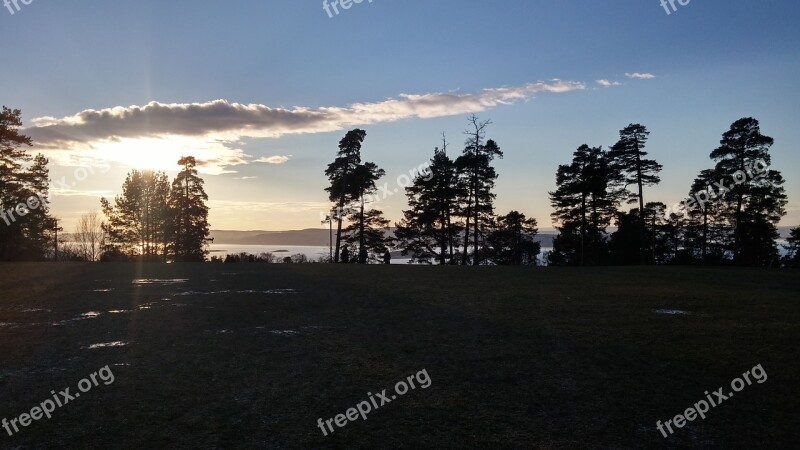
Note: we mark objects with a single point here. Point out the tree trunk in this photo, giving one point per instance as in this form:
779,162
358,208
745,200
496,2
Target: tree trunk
361,260
641,200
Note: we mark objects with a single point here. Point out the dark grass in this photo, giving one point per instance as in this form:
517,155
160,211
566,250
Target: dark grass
519,358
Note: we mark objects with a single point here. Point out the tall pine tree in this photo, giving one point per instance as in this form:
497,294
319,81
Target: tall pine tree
429,230
753,198
25,221
583,206
627,157
475,167
342,190
188,224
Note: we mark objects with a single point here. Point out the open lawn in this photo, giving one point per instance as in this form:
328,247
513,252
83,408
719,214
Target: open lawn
251,355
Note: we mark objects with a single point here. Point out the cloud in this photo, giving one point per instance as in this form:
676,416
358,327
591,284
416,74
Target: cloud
640,76
607,83
220,125
277,159
67,192
245,178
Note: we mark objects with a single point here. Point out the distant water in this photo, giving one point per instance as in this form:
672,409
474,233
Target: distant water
314,252
280,251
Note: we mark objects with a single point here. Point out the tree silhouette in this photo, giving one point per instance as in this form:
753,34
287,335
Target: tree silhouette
363,180
428,230
25,221
188,224
513,242
753,199
583,206
89,236
138,220
627,157
368,231
792,258
479,176
342,190
703,228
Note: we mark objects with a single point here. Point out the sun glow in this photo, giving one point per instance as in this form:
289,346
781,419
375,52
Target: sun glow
160,153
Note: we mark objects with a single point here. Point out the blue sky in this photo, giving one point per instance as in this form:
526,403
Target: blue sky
288,76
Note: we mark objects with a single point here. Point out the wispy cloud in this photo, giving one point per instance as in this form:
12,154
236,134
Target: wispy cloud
277,159
640,76
245,178
608,83
220,125
67,192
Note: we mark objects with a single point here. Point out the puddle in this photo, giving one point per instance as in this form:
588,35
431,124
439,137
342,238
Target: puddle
284,332
159,281
247,291
672,312
150,305
84,316
119,311
21,309
107,345
181,294
103,290
269,291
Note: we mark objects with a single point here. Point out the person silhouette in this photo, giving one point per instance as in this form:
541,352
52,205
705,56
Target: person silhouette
345,255
387,257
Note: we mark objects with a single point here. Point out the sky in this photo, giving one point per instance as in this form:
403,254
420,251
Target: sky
261,92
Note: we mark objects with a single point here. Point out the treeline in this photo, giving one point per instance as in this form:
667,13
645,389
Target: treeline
451,217
729,216
264,258
158,221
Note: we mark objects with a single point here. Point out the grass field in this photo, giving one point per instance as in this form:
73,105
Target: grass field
251,356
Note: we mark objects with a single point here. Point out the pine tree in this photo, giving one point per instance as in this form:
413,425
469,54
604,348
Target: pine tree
429,229
25,221
474,166
703,227
627,157
363,180
513,242
342,190
753,200
188,224
138,220
583,206
369,232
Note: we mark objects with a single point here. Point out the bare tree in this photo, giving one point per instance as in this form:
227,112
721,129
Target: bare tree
90,236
